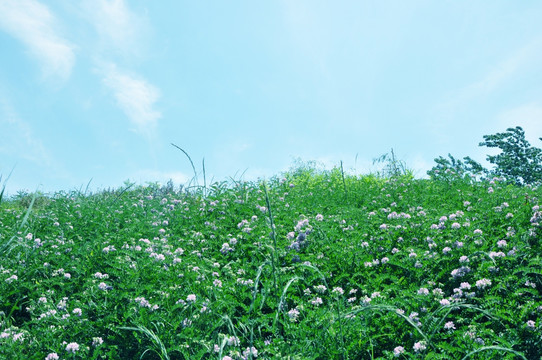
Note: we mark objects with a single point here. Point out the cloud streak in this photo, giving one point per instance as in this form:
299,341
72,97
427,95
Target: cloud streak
35,26
136,97
119,28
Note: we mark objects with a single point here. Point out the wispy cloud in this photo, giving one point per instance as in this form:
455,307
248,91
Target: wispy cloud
120,29
524,59
135,96
34,25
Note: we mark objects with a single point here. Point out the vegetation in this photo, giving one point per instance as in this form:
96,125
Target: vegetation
312,264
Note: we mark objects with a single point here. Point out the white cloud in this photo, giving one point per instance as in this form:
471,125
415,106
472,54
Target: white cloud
135,96
120,28
33,24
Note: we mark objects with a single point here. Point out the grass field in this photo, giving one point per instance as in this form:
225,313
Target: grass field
308,265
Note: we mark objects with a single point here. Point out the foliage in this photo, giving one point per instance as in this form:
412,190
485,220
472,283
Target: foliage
393,167
518,161
311,264
454,169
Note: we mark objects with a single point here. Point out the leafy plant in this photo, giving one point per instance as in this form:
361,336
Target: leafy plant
518,161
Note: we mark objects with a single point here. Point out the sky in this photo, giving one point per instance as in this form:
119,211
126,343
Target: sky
97,91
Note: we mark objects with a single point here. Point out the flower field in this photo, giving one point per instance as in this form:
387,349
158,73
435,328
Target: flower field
308,265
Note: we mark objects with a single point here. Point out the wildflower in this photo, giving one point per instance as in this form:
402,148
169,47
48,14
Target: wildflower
464,286
477,232
191,298
319,217
531,324
12,278
464,259
419,346
398,351
444,302
502,243
96,341
142,302
225,248
72,347
384,260
338,290
438,292
320,289
104,286
217,283
423,291
293,315
317,301
494,254
250,351
483,283
52,356
109,249
456,225
233,341
449,325
227,358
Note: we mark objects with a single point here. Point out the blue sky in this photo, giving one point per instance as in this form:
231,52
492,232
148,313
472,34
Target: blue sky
99,89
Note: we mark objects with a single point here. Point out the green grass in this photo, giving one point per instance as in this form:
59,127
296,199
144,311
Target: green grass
309,265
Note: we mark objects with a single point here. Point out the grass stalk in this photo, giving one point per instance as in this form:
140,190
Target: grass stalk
274,237
344,183
191,162
494,347
159,349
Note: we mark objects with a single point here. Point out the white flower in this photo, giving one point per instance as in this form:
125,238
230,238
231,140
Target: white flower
72,347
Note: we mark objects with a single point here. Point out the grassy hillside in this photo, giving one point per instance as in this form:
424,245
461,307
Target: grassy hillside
310,265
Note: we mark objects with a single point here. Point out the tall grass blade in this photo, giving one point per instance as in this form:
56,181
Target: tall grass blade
273,236
154,338
494,347
191,162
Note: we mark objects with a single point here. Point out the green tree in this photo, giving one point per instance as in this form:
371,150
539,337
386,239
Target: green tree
455,169
518,161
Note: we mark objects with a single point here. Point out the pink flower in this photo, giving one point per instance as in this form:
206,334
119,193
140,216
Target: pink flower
191,298
419,346
52,356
